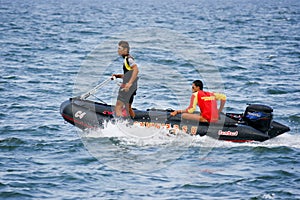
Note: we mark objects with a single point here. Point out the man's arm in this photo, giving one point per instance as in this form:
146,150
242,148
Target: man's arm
222,98
133,77
118,75
192,107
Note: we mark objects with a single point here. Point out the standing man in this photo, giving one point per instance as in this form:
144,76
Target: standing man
128,88
207,102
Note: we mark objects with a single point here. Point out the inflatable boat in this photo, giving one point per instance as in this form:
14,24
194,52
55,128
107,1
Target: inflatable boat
254,124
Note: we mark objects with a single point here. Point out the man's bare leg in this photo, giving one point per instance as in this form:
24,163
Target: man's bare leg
130,110
118,108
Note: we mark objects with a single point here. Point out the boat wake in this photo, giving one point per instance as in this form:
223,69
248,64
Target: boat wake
139,136
141,149
144,136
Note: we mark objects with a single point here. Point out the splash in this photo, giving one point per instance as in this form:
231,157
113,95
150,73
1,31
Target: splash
139,135
151,136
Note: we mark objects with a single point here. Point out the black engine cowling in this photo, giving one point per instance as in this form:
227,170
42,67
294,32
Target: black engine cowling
259,117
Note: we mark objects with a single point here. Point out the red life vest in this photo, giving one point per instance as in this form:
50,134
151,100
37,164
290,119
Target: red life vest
208,106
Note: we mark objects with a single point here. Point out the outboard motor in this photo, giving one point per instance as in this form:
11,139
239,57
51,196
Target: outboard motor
259,117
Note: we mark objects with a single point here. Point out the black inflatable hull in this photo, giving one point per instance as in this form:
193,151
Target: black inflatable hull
86,114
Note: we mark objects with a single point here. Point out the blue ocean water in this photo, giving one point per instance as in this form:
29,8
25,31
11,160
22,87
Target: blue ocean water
53,50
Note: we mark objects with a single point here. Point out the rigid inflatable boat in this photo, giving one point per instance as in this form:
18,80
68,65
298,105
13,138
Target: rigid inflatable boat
254,124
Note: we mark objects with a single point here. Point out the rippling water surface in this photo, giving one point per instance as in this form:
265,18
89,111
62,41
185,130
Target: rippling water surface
53,50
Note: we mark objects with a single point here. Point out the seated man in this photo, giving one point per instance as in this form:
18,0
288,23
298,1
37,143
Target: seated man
207,102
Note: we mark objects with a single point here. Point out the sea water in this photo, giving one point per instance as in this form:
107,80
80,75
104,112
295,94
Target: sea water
53,50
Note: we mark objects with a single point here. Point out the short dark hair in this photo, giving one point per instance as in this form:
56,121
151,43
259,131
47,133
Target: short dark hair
125,45
198,83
